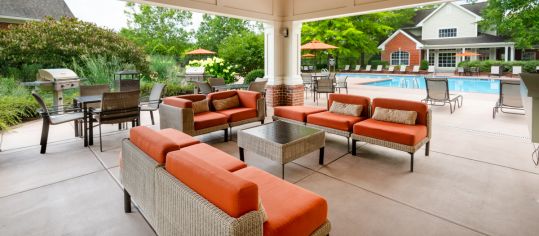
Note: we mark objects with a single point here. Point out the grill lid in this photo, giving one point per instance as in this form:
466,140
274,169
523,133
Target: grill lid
56,74
194,70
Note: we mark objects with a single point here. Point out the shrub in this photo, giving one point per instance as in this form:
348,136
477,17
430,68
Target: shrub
98,70
16,103
163,67
52,43
217,67
173,88
251,76
484,66
424,65
375,63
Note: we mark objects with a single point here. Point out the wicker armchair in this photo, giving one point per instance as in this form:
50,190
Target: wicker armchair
153,101
55,116
203,88
91,90
117,108
216,82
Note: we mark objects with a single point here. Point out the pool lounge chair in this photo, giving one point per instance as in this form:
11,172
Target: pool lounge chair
358,68
346,68
461,71
438,94
517,70
367,68
402,69
431,70
495,70
509,98
391,69
379,68
415,70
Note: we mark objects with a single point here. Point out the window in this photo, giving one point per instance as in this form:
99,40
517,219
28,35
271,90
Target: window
431,58
484,54
447,33
446,59
400,58
528,56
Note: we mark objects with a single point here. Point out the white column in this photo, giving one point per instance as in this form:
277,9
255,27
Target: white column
505,54
282,58
512,53
462,58
428,55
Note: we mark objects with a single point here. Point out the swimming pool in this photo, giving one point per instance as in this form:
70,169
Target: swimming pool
418,82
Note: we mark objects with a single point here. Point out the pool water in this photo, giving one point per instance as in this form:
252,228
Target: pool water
418,82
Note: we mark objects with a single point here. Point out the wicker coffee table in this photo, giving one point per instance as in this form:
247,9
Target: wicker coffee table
282,142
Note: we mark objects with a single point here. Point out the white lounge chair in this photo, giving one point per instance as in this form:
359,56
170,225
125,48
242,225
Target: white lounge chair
438,94
509,98
402,68
431,70
358,68
415,70
517,70
368,68
495,70
391,69
346,68
379,68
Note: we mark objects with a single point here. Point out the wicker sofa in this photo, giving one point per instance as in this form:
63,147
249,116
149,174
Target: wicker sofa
188,188
176,112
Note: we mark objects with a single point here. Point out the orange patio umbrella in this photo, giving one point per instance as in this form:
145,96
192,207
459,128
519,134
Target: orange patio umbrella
308,55
317,45
200,51
467,54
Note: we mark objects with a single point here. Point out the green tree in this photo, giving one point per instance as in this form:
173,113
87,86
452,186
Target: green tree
158,30
214,29
246,50
517,19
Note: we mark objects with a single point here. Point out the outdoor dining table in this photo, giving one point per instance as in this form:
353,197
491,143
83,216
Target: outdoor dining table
316,76
83,102
230,87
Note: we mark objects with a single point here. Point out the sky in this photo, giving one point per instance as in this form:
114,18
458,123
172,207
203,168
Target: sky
109,13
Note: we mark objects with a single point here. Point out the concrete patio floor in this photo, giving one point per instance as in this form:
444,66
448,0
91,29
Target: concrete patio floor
478,180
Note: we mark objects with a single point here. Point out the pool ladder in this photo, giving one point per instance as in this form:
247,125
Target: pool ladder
409,83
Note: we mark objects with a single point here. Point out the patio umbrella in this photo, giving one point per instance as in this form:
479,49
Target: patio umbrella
317,45
200,51
308,55
467,54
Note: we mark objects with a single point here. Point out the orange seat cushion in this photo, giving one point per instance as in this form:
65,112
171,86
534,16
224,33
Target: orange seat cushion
393,132
209,119
232,194
334,120
179,138
297,113
419,107
152,143
291,210
214,156
238,113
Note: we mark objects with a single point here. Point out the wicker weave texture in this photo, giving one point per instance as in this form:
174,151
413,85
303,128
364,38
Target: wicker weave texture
181,211
282,153
322,230
287,120
138,178
177,118
330,130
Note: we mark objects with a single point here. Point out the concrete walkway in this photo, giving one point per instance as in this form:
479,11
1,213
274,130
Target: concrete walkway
478,180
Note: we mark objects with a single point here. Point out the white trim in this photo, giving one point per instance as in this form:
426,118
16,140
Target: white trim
418,45
474,45
399,51
477,17
16,19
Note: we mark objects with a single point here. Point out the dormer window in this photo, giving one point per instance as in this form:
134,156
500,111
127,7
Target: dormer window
447,33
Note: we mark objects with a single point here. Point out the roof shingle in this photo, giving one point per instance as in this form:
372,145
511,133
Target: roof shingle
34,9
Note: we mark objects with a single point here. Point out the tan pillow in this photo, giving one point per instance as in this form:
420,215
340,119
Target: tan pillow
227,103
395,116
346,109
200,106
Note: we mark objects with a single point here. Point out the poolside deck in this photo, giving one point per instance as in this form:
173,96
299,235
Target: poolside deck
479,179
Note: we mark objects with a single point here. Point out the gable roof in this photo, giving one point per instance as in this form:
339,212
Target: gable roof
33,9
418,44
478,17
475,8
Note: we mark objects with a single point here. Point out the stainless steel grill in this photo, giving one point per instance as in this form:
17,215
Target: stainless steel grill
58,80
194,73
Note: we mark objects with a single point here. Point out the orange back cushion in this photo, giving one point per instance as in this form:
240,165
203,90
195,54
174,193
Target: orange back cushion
230,193
249,98
406,105
184,101
351,99
152,143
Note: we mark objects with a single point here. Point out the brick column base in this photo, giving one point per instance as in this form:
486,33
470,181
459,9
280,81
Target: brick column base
285,95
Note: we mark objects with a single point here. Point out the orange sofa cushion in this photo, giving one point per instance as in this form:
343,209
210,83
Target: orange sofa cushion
419,107
209,119
297,113
249,98
152,143
214,156
334,120
184,101
179,138
291,210
230,193
393,132
239,113
351,99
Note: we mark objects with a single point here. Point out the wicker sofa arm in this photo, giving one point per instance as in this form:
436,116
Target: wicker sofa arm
261,108
429,124
181,119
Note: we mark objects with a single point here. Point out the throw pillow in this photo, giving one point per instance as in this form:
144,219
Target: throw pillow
200,106
395,116
227,103
346,109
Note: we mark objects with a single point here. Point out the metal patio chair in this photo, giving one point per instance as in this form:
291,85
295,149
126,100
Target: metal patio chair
391,69
324,85
341,83
438,94
431,70
517,70
308,82
402,69
153,101
91,90
55,116
129,85
509,98
495,71
216,82
203,88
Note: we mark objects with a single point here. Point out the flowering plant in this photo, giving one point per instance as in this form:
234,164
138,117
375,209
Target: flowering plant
216,67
